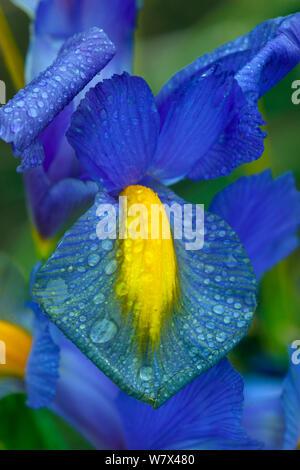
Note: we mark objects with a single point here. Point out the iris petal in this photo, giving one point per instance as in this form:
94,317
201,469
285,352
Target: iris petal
42,365
192,121
290,401
250,57
57,20
114,131
263,414
79,60
55,205
258,61
76,289
206,414
265,213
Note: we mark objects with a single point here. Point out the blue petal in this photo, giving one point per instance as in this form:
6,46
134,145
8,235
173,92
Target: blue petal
263,416
56,21
206,414
192,121
274,59
31,110
290,401
61,377
259,59
265,213
81,382
53,206
241,141
114,131
42,365
76,289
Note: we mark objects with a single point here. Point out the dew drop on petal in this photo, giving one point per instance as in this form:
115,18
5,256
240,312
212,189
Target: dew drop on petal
103,330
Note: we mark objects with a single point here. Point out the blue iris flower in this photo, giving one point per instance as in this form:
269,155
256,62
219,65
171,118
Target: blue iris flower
204,415
203,124
59,190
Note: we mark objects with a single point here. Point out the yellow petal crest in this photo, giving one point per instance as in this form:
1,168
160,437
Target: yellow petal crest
147,283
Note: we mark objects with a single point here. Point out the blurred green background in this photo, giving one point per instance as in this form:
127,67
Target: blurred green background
171,34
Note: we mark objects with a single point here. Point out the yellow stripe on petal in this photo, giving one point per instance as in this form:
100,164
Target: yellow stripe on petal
147,283
15,345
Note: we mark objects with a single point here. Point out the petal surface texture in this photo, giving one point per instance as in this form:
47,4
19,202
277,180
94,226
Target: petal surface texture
192,121
79,60
43,364
57,20
257,61
206,414
77,289
114,131
265,213
54,205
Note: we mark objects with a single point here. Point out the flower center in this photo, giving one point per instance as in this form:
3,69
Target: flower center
15,345
147,283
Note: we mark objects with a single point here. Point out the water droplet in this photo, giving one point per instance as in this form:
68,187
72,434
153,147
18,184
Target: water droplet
98,299
221,337
111,267
219,309
93,259
107,245
103,330
32,112
209,269
146,373
58,290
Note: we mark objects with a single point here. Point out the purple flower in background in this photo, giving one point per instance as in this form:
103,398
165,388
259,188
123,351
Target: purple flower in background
58,190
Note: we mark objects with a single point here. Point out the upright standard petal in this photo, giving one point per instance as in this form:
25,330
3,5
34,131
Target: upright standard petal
192,121
258,61
265,213
82,290
206,414
114,131
57,20
31,110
